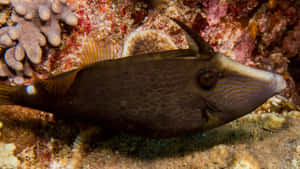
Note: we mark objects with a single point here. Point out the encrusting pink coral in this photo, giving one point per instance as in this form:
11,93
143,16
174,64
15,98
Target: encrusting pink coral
215,10
291,42
235,42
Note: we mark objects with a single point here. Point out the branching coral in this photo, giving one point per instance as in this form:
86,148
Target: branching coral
33,21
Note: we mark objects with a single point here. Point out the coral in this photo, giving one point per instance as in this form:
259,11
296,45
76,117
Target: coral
1,125
167,31
235,42
240,144
253,32
5,40
54,153
76,153
33,20
84,137
291,43
276,35
8,160
215,10
262,34
293,114
246,161
37,155
272,121
4,2
26,115
141,42
4,15
277,104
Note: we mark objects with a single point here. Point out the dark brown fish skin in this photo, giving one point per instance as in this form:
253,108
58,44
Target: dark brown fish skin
146,97
141,95
155,95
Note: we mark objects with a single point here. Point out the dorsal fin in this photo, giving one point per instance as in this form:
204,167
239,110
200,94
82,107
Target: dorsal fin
96,51
57,84
196,42
147,41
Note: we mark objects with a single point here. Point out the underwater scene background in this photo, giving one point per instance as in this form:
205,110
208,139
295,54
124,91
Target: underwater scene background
42,37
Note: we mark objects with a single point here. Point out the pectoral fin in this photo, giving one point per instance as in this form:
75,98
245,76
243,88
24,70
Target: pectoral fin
57,84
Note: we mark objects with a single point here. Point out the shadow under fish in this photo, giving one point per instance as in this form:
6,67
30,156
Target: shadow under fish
162,94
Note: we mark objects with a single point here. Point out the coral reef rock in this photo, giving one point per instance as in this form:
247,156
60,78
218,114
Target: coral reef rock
33,20
141,42
262,34
244,143
8,160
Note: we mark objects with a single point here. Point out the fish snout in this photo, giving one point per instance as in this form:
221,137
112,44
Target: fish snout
278,83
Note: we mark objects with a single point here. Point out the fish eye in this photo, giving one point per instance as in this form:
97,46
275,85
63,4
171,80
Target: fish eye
207,78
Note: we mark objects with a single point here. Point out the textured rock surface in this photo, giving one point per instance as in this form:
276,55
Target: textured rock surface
8,160
247,142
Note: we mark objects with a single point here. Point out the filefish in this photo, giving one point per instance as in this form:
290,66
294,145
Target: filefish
160,94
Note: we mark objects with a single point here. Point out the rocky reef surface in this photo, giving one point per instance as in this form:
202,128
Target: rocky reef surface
262,34
253,142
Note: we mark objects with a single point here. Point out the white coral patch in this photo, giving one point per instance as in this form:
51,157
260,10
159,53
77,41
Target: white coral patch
8,160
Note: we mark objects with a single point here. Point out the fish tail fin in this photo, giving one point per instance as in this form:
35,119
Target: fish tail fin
7,94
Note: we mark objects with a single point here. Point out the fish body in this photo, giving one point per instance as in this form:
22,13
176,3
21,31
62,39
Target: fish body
160,94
